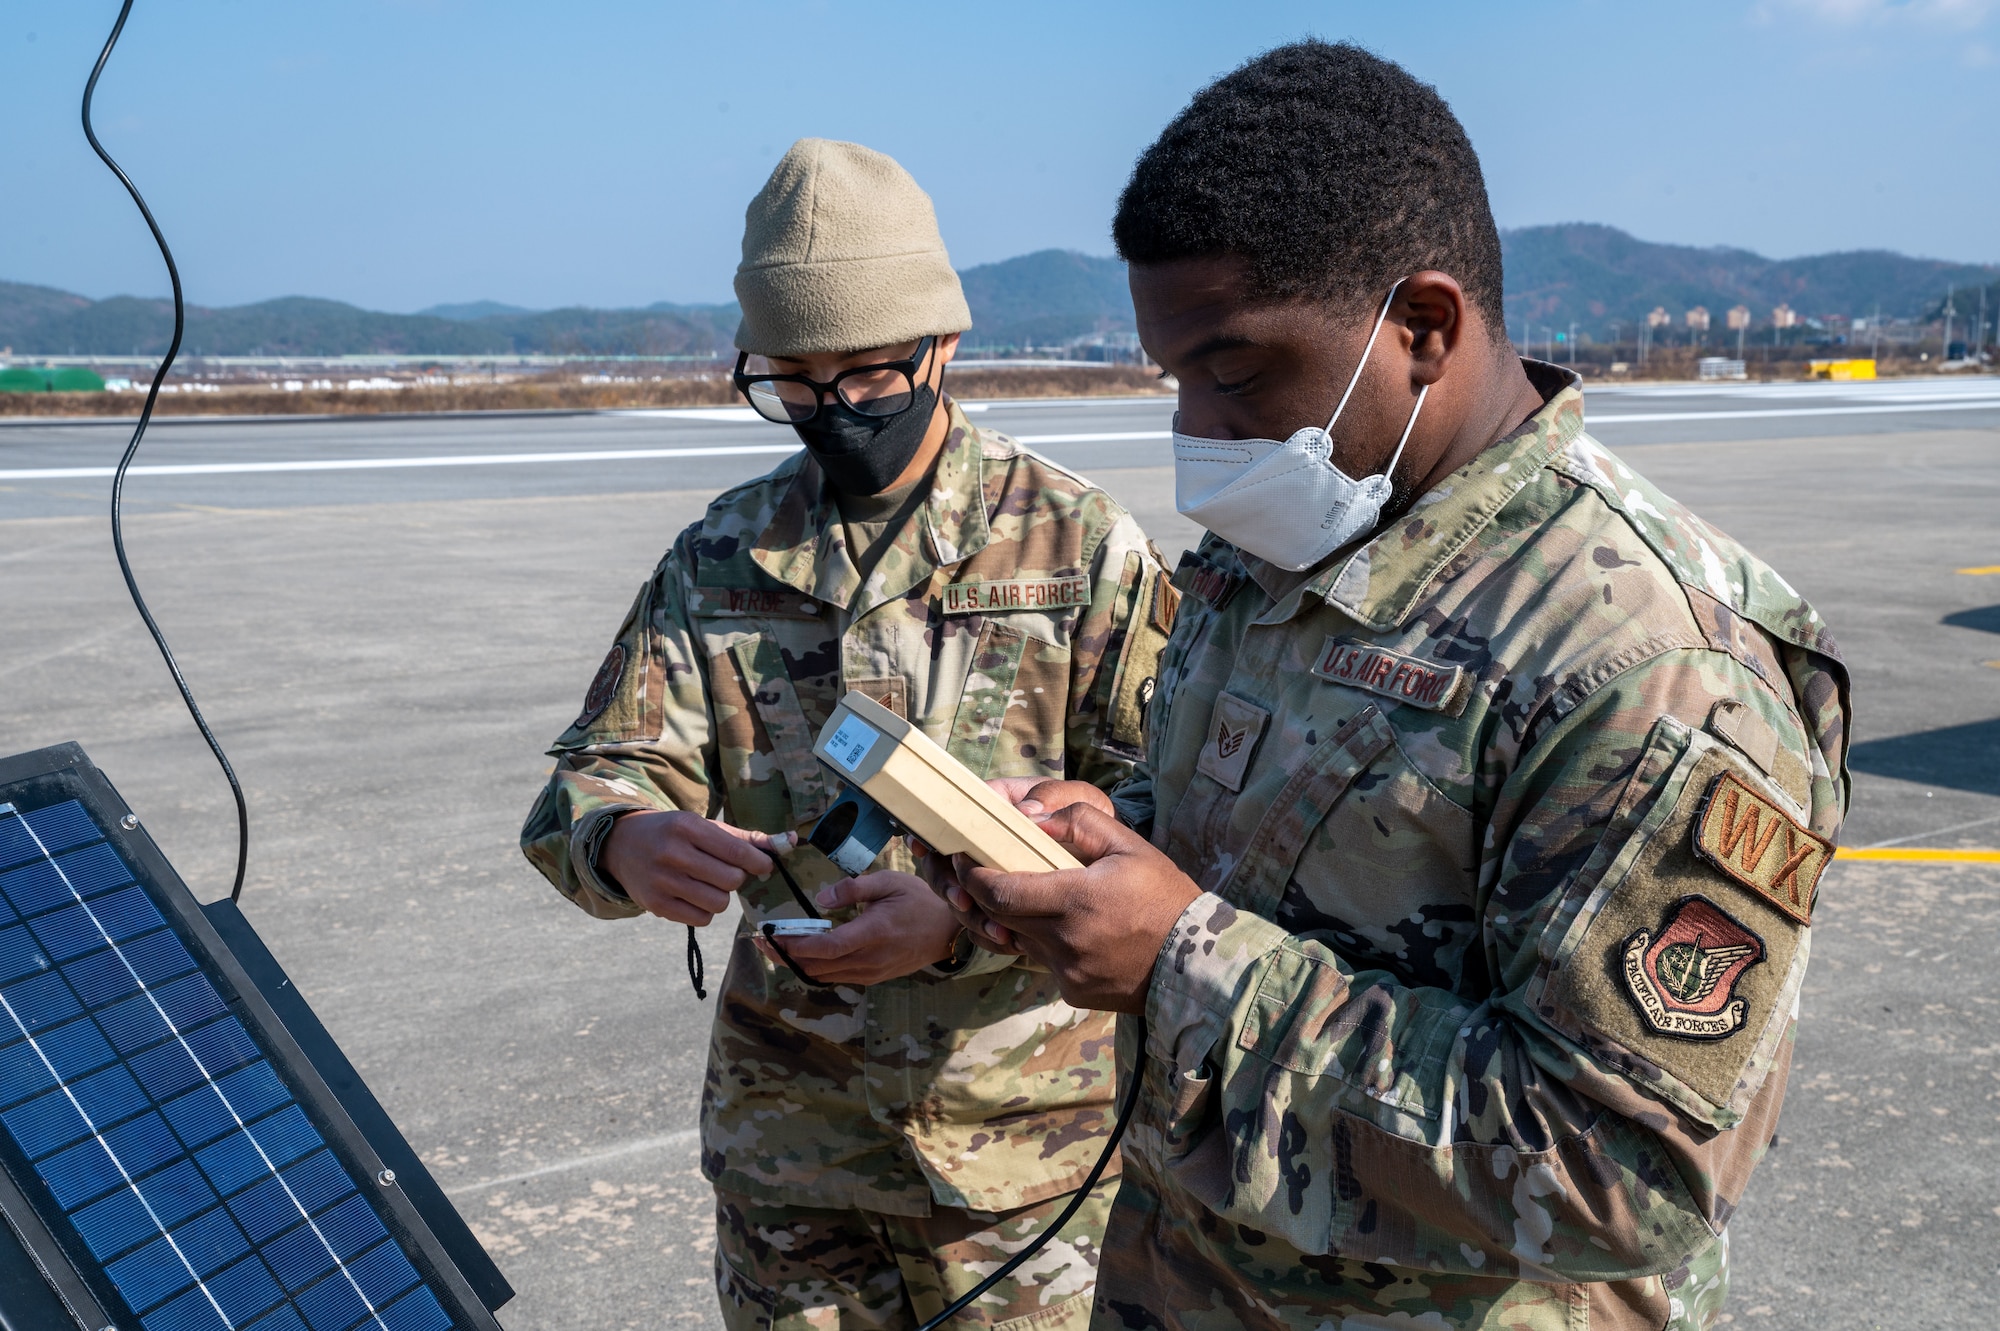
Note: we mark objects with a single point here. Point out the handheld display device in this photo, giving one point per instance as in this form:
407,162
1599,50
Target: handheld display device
894,771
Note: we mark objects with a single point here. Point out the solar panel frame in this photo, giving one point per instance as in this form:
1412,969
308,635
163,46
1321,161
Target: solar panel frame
271,1022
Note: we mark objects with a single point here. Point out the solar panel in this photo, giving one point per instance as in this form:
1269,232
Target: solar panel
182,1147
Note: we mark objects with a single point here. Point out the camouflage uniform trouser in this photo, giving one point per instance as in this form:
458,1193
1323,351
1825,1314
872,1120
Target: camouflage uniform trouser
797,1266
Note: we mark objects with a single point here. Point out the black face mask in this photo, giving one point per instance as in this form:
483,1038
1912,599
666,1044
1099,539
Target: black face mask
863,455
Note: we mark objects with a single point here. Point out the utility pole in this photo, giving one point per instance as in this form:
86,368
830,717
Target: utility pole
1944,348
1875,334
1572,342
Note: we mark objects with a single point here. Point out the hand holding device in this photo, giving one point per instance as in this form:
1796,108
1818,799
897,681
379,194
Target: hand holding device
902,928
1098,928
682,866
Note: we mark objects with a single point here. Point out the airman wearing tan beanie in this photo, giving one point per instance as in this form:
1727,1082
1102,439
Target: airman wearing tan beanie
890,1110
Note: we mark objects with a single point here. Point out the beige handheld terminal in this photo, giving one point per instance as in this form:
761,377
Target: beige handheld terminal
930,793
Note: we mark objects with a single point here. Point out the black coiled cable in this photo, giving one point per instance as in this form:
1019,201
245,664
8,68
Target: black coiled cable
132,449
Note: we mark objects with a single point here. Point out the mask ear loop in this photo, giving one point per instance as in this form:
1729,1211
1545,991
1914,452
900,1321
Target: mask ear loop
1389,472
1373,333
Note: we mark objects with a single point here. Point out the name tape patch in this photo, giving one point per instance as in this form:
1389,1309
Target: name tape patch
1196,576
979,598
1404,679
753,601
1761,846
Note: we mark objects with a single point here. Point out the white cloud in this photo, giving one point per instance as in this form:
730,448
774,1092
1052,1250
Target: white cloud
1957,14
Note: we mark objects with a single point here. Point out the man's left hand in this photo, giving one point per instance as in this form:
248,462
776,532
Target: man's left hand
1099,928
902,928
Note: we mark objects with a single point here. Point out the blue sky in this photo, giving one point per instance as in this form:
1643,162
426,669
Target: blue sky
399,153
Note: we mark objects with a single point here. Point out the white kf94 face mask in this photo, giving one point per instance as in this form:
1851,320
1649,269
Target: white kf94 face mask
1285,502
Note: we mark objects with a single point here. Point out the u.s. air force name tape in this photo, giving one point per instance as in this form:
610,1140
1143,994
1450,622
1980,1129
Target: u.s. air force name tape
1403,679
975,598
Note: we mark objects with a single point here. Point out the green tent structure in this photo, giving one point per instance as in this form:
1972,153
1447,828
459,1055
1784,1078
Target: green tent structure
75,379
68,379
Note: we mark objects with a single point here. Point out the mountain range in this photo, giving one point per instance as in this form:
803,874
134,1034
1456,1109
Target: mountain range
1589,274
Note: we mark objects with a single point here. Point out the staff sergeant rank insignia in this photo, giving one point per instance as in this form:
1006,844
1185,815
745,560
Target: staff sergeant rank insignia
1684,979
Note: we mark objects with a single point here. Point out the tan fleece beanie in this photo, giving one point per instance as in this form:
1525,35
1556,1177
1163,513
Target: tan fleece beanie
841,252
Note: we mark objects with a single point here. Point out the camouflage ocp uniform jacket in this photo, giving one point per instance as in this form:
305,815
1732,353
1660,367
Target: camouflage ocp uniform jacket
1018,619
1509,826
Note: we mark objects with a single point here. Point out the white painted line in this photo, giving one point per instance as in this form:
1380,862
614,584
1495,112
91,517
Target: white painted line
688,413
1987,404
681,1138
1115,436
373,464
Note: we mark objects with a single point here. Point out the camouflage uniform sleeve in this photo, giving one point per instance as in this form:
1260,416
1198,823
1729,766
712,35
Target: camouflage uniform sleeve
1545,1128
1115,653
644,740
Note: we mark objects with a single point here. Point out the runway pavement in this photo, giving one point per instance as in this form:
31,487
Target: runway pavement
387,648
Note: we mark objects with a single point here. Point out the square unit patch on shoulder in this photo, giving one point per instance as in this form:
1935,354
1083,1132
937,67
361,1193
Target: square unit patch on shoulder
1761,846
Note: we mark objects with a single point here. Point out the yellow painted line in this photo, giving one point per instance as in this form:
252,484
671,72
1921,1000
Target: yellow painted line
1984,568
1919,855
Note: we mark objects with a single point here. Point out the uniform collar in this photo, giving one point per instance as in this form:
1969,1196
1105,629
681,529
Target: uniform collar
805,546
1380,583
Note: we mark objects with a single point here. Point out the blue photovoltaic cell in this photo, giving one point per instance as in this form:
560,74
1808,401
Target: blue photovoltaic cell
284,1319
172,1145
20,955
245,1290
192,1311
417,1311
158,957
331,1305
92,870
103,977
61,826
40,1002
383,1273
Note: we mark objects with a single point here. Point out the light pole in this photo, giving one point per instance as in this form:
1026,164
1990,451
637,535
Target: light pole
1572,343
1944,347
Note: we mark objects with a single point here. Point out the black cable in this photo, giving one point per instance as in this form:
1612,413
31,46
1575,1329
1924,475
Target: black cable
132,449
1082,1195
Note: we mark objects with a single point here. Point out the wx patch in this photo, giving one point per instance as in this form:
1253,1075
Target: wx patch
1761,846
603,687
1683,976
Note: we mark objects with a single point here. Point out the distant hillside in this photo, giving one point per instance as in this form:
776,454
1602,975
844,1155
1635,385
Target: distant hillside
1590,274
1046,298
1037,299
1595,274
43,321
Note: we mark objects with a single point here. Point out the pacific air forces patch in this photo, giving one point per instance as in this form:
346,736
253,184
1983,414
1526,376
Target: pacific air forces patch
603,687
1683,977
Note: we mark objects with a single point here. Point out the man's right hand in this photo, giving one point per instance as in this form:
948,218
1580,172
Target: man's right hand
681,866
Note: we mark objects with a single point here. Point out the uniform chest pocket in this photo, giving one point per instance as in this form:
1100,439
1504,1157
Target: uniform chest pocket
771,686
1269,856
1390,876
1014,703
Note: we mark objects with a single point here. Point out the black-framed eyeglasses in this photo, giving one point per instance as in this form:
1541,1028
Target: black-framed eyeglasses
884,389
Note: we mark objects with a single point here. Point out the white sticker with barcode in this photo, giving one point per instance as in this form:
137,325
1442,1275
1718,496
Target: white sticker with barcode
851,741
